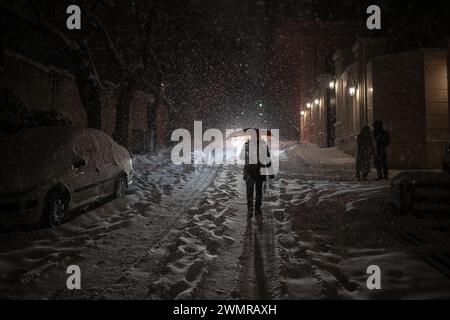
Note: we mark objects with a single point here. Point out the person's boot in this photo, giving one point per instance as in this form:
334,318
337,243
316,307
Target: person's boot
380,174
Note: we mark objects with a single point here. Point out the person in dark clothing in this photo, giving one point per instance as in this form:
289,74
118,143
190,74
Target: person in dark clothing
364,153
252,175
382,141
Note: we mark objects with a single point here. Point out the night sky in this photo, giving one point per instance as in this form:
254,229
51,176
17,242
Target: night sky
235,84
407,24
245,22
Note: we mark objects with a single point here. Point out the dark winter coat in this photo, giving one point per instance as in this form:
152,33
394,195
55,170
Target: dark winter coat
382,141
365,151
253,171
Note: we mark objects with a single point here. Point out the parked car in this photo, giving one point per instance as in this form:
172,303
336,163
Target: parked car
421,192
47,172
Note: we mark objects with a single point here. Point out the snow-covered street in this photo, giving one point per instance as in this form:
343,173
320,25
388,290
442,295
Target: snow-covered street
182,233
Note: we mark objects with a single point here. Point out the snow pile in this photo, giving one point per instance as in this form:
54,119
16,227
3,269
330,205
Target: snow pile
314,156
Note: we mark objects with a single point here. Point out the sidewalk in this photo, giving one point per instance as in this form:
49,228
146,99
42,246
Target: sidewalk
323,157
308,158
331,228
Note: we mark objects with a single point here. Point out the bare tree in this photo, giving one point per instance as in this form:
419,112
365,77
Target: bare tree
138,45
140,32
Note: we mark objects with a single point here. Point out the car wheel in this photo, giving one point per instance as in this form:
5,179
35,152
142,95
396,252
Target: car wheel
55,211
121,187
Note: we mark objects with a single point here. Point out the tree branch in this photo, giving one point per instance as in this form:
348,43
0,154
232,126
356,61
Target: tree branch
117,56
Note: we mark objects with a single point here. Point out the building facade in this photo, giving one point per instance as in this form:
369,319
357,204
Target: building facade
301,52
408,91
45,88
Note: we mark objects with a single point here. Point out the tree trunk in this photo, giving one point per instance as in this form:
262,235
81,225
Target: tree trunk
90,95
121,131
151,123
89,87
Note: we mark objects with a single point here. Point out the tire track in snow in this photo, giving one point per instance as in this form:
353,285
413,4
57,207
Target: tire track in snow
189,257
246,268
297,278
219,254
132,280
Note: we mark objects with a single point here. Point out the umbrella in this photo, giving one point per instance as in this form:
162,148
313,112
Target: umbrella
246,133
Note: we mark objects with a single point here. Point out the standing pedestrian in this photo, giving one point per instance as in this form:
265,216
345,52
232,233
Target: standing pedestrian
382,142
364,153
253,176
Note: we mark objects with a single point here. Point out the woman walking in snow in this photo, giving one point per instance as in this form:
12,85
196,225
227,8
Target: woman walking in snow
364,153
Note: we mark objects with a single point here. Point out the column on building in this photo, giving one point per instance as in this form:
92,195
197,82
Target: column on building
353,90
344,108
322,111
436,105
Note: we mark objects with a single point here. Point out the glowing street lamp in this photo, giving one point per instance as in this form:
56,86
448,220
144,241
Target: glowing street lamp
302,113
317,102
352,91
309,105
332,85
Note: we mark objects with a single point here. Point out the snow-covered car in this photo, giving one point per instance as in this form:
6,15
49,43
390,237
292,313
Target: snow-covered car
421,192
47,172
